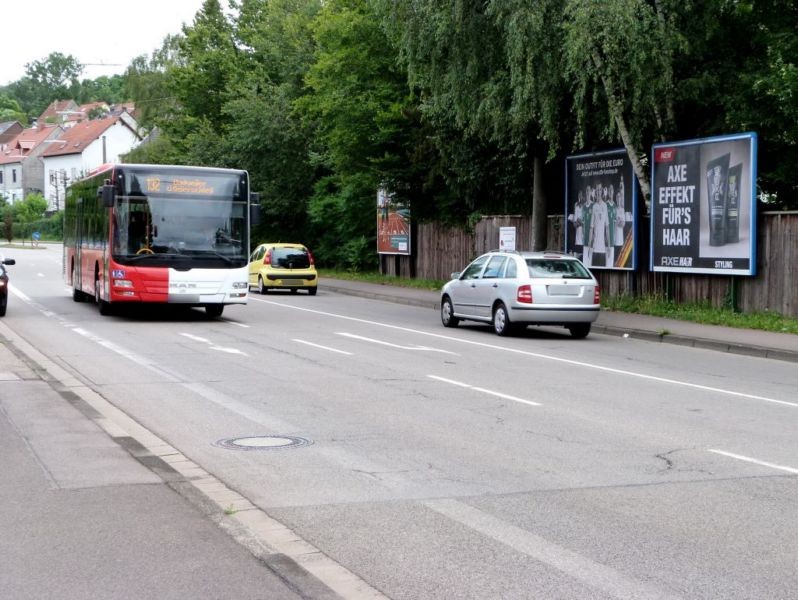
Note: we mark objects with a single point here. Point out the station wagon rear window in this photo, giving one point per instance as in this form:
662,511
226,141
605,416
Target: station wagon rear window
556,268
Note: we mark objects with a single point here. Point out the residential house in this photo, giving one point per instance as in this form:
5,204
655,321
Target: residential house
59,112
128,112
82,148
21,165
8,131
94,110
85,112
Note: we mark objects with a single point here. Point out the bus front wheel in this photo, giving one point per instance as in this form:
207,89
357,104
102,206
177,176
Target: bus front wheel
103,306
214,310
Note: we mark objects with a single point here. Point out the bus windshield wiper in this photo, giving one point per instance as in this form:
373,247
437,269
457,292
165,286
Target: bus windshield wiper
227,259
138,257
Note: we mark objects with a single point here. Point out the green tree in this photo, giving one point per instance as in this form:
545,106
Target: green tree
355,104
156,150
54,77
31,208
202,80
10,109
8,225
103,89
619,56
264,134
747,81
464,61
147,83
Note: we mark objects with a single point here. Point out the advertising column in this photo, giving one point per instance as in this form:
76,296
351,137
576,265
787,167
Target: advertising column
703,206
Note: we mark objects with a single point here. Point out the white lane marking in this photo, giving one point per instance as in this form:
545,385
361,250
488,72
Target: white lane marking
566,361
213,346
761,463
136,358
322,347
196,338
390,345
245,326
40,274
228,350
591,573
484,391
20,295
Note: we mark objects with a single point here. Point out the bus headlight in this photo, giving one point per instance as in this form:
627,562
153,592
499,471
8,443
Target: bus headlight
239,285
123,283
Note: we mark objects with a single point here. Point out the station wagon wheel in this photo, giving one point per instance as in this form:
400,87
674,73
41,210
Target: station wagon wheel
579,330
3,305
312,291
501,321
447,313
261,287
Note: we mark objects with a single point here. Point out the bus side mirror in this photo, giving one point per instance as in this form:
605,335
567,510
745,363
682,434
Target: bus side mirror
107,193
254,208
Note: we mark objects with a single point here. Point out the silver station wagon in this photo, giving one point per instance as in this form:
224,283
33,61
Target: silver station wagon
514,289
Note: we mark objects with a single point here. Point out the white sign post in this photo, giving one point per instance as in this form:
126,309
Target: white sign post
506,238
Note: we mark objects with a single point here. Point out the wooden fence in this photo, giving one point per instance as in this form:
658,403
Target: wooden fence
438,251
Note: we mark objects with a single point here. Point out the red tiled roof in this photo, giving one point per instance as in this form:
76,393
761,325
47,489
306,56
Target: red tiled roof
18,148
83,111
77,138
87,108
56,109
11,156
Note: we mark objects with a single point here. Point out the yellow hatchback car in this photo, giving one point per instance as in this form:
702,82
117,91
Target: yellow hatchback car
279,266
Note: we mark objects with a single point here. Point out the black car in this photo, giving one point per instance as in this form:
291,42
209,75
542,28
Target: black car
4,284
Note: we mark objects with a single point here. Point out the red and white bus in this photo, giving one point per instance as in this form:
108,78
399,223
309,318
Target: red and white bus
159,234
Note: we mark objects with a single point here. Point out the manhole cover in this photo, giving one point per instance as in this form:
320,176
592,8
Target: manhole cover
263,442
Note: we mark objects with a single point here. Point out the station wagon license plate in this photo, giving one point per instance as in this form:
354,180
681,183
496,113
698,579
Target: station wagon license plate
564,290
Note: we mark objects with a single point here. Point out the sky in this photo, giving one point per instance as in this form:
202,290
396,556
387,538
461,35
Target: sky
110,34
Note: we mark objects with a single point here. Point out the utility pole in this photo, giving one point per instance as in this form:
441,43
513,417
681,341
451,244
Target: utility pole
57,179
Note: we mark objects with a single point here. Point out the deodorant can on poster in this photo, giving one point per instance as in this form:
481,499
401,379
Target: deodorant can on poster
733,204
717,174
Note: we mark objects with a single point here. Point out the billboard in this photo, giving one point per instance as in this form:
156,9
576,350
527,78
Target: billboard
703,205
393,225
601,209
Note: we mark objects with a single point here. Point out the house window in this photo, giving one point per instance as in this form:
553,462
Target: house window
13,175
1,177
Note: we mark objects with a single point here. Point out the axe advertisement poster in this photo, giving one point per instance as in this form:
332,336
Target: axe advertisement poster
703,206
600,209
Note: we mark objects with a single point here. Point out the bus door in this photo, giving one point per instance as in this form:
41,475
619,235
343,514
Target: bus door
77,276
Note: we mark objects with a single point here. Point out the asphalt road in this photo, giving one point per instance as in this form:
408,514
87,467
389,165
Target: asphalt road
441,463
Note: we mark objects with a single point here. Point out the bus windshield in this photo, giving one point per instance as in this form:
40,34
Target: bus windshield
173,225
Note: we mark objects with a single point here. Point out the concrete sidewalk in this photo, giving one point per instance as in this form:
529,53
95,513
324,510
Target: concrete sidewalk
87,514
765,344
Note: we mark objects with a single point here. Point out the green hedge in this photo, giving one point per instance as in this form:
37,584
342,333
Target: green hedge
51,228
